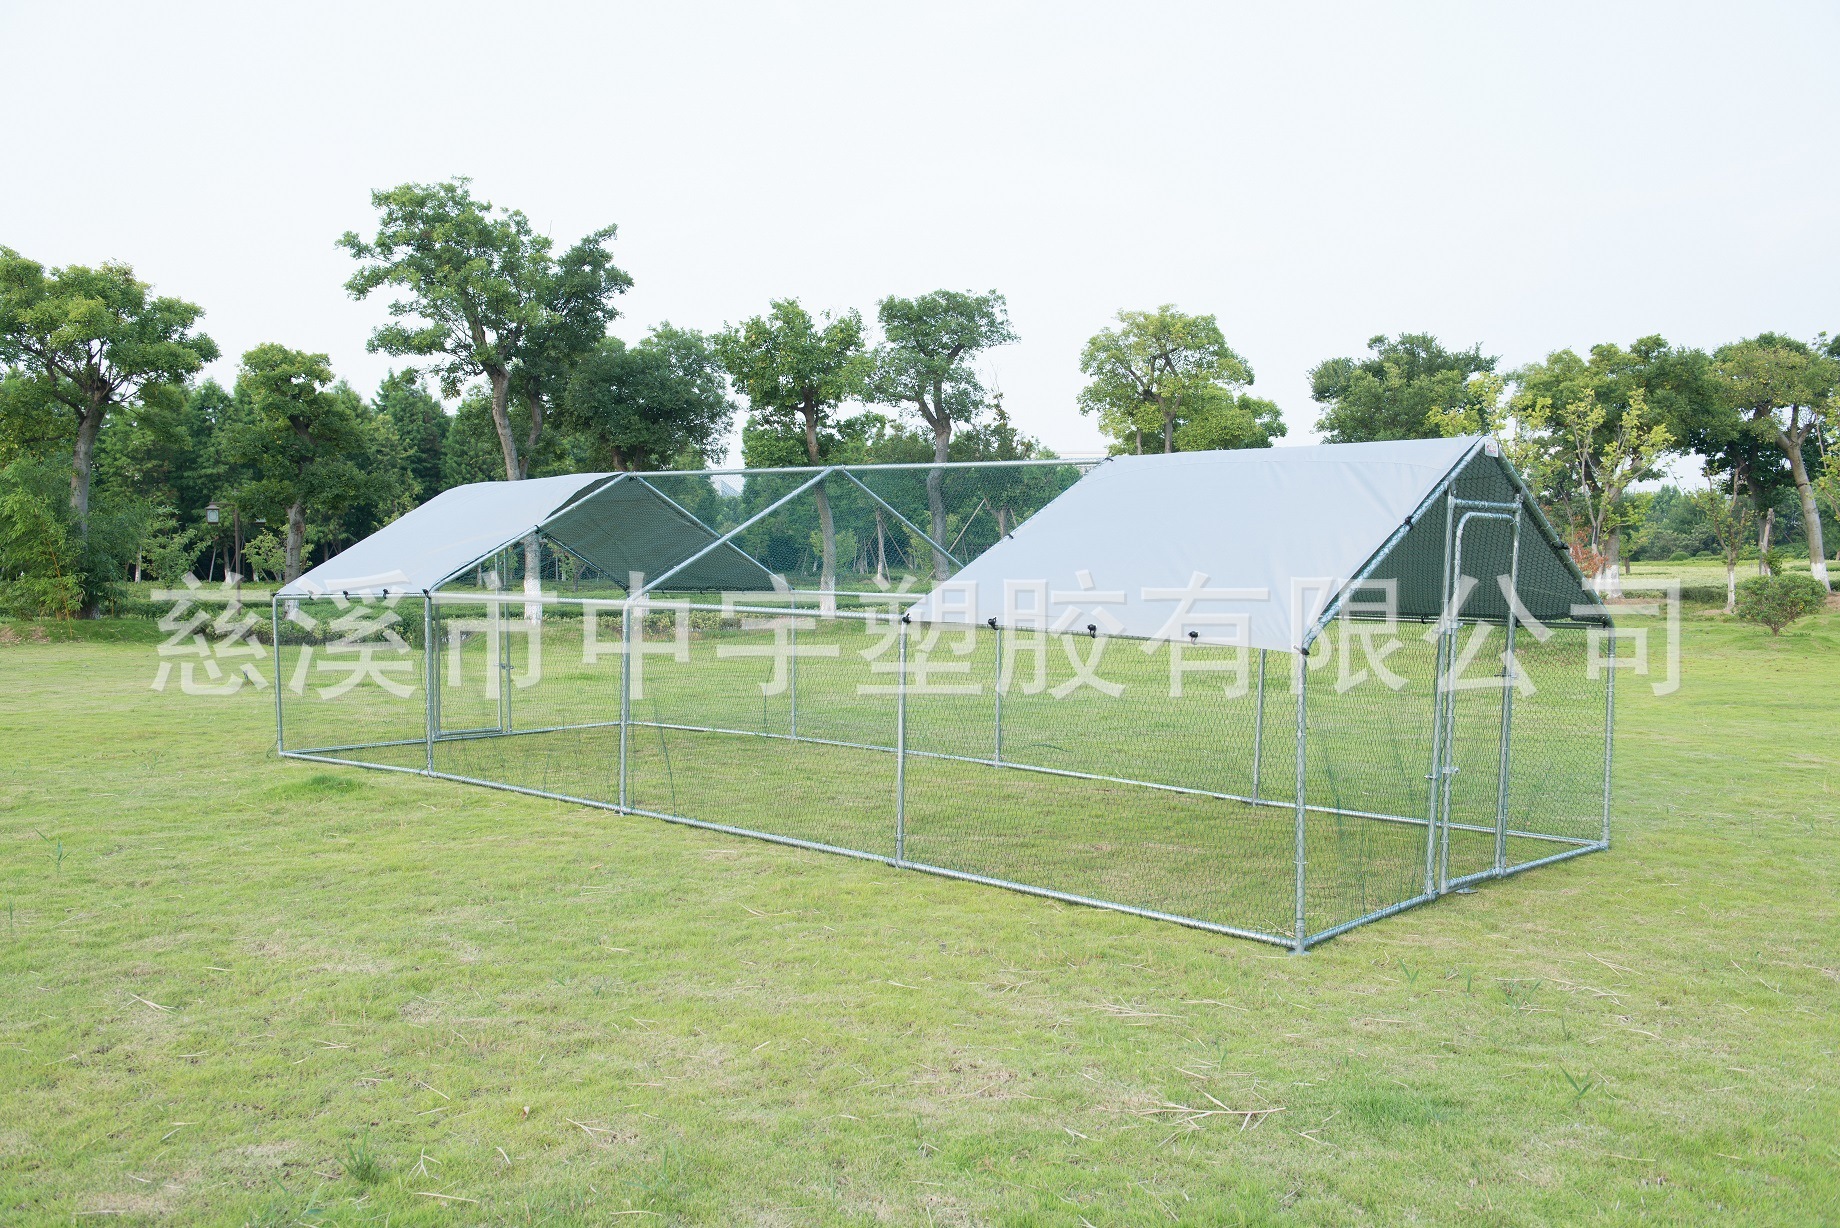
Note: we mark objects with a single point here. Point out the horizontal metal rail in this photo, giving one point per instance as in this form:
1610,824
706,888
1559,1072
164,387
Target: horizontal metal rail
1090,902
1311,940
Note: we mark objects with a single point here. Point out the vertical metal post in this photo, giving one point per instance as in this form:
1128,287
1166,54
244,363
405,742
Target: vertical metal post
792,666
274,622
997,753
1302,680
430,673
1609,729
900,751
625,691
501,624
1510,676
1258,729
1439,692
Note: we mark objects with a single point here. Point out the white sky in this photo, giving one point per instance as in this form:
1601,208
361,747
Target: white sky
1529,176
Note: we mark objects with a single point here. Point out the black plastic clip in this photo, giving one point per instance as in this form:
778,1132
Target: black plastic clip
991,623
905,620
1092,629
1194,635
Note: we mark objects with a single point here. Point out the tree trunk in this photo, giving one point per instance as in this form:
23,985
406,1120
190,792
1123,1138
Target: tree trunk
935,496
501,420
1766,527
1811,513
296,541
83,460
1731,584
1169,424
881,545
827,527
533,579
1610,576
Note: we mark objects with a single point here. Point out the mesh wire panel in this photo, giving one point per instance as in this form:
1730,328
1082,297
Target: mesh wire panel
1556,744
696,748
1153,776
351,677
984,706
1369,712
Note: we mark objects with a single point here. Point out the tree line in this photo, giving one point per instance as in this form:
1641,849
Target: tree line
118,462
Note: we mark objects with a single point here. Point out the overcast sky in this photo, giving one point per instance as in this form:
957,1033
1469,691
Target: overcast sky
1528,176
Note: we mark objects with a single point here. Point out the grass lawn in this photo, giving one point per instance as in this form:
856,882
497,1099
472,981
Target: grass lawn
239,990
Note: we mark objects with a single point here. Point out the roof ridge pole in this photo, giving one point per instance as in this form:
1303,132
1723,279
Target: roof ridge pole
728,537
904,520
1302,673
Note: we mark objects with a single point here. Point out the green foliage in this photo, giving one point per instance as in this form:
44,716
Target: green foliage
170,548
1786,392
1214,418
266,555
421,424
483,296
41,557
1165,369
1777,600
307,444
1406,388
925,362
90,340
795,371
647,405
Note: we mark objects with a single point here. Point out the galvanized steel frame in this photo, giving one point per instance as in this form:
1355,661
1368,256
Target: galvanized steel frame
1438,820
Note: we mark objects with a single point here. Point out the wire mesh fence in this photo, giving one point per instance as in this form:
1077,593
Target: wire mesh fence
1277,796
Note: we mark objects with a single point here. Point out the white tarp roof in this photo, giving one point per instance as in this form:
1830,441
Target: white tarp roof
1281,528
614,521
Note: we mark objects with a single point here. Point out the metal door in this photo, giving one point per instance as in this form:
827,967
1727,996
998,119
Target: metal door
1466,832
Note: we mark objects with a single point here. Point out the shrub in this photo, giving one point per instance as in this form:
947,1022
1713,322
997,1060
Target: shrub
1776,601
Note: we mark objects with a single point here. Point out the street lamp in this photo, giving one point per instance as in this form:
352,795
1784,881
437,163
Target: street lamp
212,512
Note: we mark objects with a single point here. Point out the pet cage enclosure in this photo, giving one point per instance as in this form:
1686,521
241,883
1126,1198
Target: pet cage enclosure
1273,693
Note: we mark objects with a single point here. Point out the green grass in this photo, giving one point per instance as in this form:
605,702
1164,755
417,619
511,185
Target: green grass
349,987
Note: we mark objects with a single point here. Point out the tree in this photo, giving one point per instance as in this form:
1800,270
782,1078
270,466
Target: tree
924,364
1599,455
1594,430
1213,418
421,424
795,373
302,439
648,405
1785,389
94,340
1144,373
1778,600
1396,391
1728,513
484,297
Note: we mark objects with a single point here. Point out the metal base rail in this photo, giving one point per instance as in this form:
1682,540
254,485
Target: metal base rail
1023,888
